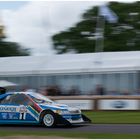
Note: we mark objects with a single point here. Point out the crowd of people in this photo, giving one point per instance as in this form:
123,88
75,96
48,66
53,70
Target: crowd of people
74,90
55,90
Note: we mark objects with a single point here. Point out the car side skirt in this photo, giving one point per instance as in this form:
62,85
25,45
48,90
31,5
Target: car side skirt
18,122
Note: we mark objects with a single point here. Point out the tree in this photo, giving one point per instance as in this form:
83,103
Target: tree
11,49
8,48
121,36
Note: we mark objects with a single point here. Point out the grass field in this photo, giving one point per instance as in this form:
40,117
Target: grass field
54,134
96,117
109,117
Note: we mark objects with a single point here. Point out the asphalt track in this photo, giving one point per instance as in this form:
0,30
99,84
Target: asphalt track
96,128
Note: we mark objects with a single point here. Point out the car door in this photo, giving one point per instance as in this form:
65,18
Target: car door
14,108
23,102
7,110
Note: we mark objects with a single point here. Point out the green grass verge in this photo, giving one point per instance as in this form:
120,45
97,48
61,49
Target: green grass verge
83,135
111,117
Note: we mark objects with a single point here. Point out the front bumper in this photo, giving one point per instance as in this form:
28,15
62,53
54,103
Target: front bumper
83,119
76,121
66,121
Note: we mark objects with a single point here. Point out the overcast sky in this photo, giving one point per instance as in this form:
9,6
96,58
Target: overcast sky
33,23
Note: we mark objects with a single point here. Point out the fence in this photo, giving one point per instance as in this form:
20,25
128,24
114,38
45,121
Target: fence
98,103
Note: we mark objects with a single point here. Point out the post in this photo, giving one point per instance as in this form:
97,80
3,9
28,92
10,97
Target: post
100,34
99,44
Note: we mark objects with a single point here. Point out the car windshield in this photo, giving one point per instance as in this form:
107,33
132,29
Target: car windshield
38,98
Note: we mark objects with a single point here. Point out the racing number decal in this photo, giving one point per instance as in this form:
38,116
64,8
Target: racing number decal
22,116
22,111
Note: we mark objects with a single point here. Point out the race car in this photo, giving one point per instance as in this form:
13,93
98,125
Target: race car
34,108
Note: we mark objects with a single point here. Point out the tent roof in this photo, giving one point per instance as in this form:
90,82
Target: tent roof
68,63
4,83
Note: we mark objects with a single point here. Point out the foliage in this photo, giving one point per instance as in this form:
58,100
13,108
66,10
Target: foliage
11,49
121,36
8,48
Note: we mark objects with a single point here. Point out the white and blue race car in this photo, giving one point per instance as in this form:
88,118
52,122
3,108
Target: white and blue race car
34,108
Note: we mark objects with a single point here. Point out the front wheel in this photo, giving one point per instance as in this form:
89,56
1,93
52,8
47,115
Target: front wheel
49,119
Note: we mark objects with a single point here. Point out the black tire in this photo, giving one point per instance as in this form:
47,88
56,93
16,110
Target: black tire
49,119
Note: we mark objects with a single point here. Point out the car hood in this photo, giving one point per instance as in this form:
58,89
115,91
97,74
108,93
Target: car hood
54,106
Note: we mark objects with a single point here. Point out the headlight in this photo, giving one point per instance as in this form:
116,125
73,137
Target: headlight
69,111
62,111
74,110
58,111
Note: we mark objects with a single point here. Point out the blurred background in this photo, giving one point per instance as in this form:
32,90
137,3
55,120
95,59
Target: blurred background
70,48
85,54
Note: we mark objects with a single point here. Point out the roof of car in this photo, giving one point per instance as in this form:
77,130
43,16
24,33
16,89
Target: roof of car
16,93
9,93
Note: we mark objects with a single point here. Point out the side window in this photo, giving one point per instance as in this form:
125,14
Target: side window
20,99
5,100
16,99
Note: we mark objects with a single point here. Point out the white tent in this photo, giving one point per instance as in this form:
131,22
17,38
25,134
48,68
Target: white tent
70,63
4,83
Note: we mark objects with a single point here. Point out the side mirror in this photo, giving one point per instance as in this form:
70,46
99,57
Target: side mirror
2,90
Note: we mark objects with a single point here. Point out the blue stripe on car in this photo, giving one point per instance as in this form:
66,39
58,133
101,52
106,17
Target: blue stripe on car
50,107
71,116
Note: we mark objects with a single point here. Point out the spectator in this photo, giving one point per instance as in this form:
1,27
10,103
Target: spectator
43,91
74,90
126,92
137,92
53,90
99,90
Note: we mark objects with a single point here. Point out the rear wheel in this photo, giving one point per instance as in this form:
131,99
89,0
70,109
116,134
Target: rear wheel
49,119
